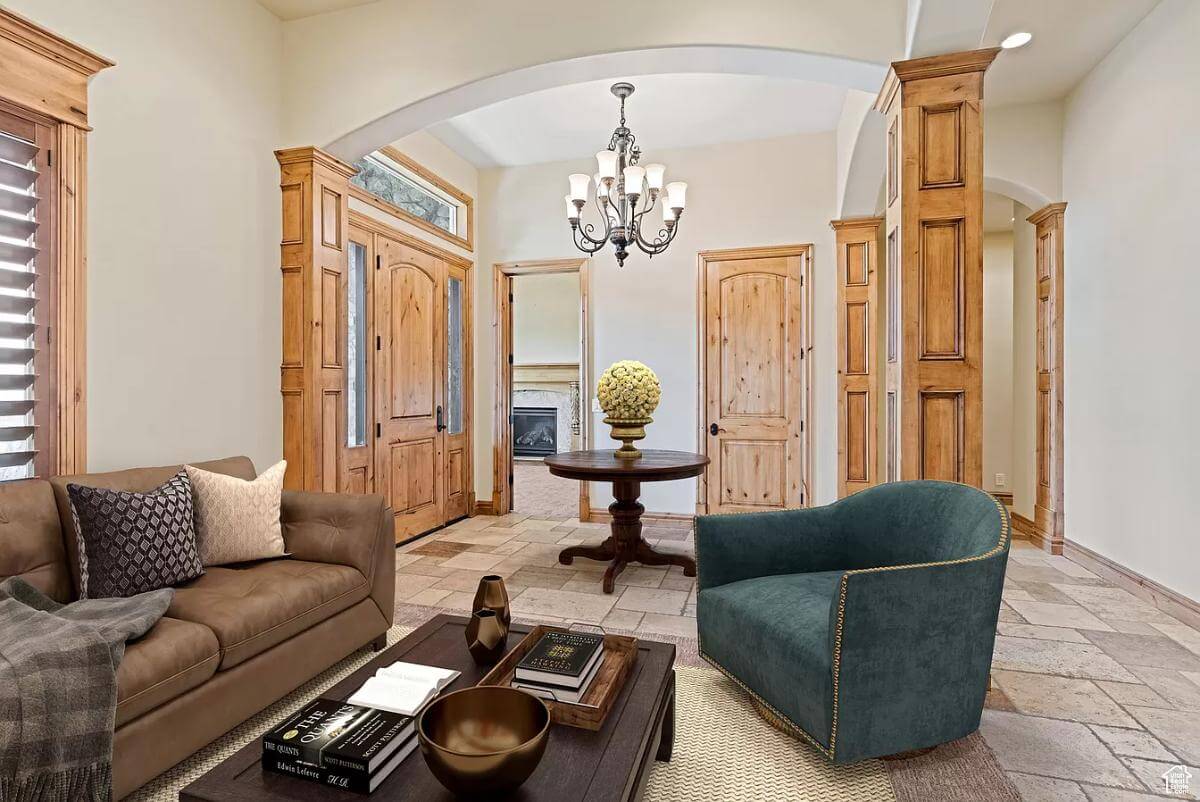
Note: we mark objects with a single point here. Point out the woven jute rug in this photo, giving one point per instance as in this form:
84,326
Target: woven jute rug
724,751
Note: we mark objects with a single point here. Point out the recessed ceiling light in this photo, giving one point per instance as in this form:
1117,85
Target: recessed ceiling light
1019,39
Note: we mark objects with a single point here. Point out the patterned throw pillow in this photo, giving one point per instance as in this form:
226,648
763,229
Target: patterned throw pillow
130,543
236,520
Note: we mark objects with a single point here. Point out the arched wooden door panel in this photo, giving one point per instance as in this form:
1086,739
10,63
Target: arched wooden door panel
411,368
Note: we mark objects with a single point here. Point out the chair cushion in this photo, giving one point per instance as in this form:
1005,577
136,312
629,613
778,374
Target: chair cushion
169,660
772,633
253,607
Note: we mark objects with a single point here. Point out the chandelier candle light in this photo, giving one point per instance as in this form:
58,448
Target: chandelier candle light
620,184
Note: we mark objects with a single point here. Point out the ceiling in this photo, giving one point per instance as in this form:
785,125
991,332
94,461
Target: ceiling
666,111
1069,38
997,213
297,9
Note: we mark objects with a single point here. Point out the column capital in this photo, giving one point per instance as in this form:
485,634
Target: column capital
902,72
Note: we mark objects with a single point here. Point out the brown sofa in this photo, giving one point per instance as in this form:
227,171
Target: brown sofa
236,639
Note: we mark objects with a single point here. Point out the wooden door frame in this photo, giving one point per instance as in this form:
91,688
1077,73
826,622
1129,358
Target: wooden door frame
1047,529
379,228
502,336
805,252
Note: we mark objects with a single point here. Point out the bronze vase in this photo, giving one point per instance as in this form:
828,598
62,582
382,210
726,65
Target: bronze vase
492,595
487,637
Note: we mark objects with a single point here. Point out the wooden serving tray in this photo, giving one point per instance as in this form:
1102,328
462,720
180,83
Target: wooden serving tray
620,652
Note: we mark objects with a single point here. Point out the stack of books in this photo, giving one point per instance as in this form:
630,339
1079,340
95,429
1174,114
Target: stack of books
340,745
561,666
356,744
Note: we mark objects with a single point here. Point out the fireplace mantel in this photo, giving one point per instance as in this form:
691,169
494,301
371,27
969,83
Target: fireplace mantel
545,373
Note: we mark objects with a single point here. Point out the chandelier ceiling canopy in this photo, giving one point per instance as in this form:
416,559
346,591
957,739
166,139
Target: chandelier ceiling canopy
624,192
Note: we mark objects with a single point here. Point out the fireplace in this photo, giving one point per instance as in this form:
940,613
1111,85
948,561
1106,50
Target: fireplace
535,431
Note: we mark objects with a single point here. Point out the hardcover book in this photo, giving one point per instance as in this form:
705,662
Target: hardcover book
557,693
330,734
562,659
303,736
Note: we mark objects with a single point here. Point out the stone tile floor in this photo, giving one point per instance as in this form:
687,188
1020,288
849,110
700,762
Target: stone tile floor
1096,693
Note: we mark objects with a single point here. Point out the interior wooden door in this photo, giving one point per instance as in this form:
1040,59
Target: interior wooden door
754,388
456,417
410,382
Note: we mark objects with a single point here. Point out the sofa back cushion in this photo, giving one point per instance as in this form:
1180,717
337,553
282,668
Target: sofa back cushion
138,480
31,540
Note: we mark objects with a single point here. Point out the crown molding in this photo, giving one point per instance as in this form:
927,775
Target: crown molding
316,156
1046,212
34,37
916,69
856,222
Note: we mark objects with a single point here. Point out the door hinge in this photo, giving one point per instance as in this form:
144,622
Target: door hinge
49,158
510,360
49,335
378,261
378,343
801,425
379,430
802,353
510,478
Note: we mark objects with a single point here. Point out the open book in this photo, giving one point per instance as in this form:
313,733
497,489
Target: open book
403,688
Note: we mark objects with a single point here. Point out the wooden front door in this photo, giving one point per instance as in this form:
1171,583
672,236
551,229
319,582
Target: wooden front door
754,388
410,447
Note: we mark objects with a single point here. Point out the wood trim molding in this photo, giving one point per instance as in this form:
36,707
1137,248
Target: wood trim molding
483,508
502,276
365,221
309,154
1003,497
598,515
466,242
1046,212
939,66
1169,601
44,72
807,282
857,352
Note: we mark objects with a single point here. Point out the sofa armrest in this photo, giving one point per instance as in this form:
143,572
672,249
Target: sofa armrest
730,548
912,647
345,529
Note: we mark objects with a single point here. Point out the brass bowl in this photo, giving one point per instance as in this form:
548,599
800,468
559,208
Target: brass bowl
484,740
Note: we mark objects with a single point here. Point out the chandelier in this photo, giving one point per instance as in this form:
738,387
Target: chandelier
620,184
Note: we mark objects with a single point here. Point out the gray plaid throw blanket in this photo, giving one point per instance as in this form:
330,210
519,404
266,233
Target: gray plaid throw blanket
58,689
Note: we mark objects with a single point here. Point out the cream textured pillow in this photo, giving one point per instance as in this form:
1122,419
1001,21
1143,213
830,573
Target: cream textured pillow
237,521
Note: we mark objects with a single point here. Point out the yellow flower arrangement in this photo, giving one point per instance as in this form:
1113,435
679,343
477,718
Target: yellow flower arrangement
628,390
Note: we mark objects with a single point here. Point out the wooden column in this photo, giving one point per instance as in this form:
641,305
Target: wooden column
1048,505
858,362
934,231
315,191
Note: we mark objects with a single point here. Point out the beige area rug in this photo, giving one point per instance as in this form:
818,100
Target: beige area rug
724,752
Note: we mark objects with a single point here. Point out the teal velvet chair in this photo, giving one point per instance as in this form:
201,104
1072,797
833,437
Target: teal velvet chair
865,627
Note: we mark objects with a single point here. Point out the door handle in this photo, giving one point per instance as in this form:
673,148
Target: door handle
712,429
440,425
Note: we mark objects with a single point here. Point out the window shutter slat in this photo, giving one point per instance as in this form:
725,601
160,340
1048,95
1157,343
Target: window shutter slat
14,305
15,356
17,150
16,279
17,381
16,407
15,459
17,254
17,228
12,330
14,175
16,202
15,434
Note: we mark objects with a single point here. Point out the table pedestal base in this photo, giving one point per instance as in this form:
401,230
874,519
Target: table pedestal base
625,545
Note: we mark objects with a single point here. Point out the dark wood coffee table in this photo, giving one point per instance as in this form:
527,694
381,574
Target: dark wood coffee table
626,545
609,765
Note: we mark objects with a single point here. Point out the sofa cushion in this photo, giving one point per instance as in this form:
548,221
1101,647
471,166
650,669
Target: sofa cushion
31,541
772,633
138,480
169,660
253,607
237,520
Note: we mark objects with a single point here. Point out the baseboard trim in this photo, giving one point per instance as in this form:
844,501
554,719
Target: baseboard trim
1169,601
1004,498
484,508
598,515
1029,530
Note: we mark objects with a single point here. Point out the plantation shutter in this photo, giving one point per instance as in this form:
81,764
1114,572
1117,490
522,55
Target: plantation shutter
19,318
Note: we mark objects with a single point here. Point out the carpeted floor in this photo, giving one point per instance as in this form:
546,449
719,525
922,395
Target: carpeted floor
724,752
537,492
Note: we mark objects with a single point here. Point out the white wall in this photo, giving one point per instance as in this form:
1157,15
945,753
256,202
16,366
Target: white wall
545,317
183,227
1022,152
771,192
1024,363
1131,172
997,359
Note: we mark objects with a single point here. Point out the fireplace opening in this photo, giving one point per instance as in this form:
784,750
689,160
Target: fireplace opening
535,431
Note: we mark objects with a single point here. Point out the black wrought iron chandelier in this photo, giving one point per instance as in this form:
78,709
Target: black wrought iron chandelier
620,184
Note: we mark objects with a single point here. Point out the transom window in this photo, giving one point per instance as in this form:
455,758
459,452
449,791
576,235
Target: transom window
393,183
